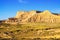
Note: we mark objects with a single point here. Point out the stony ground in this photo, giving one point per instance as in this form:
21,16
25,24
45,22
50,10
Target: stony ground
30,31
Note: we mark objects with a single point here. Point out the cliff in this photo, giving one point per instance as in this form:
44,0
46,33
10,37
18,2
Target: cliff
37,16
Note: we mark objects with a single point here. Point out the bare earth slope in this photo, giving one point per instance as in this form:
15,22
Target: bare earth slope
33,16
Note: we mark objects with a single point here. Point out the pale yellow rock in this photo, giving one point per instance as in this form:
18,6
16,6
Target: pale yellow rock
32,16
19,14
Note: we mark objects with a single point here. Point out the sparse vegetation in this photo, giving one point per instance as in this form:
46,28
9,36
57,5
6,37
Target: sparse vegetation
31,31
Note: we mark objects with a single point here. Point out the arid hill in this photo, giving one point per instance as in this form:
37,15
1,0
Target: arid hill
37,16
37,25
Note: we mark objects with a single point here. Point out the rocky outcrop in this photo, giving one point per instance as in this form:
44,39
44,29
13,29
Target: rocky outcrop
37,16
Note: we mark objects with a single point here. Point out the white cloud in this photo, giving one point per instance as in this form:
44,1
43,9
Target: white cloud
22,1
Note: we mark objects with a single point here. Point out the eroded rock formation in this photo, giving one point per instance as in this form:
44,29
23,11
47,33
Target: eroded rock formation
37,16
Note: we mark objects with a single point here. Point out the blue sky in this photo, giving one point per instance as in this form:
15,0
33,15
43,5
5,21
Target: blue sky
8,8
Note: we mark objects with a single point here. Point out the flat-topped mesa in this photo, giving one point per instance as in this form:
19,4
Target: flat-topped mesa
30,13
35,16
19,13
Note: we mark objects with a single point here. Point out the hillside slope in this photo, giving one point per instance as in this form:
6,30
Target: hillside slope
35,16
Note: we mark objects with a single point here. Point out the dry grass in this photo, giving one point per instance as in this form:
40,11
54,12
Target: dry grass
31,30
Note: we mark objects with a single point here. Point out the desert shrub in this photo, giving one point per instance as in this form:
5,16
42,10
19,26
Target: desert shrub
1,28
18,30
5,25
6,33
11,31
36,39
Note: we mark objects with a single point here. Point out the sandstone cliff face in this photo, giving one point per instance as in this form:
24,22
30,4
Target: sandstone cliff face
34,16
